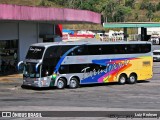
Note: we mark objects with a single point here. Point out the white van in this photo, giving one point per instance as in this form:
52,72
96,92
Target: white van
156,55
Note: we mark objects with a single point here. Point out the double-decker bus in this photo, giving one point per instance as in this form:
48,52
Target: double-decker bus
71,64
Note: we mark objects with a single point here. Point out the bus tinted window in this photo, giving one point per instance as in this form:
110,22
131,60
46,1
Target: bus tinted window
114,49
139,48
64,69
133,49
35,52
72,68
108,49
51,56
57,51
77,68
145,48
80,68
94,49
126,49
64,49
81,50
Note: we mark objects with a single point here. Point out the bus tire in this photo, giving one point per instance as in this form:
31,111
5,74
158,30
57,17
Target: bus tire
132,79
61,83
73,83
122,79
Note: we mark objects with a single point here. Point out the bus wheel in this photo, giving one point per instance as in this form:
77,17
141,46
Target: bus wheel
61,83
74,83
132,79
122,79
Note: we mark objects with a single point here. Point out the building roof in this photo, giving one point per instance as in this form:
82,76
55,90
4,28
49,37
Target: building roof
47,14
131,25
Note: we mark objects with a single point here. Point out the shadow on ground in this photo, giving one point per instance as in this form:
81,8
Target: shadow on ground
81,86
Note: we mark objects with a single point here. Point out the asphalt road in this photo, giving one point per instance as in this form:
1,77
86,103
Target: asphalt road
106,97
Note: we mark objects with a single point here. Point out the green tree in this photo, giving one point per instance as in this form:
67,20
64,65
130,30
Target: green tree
121,13
151,7
59,2
108,10
148,6
136,17
46,3
89,5
130,3
150,15
144,4
158,7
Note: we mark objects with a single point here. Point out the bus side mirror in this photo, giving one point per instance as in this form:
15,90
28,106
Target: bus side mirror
37,65
20,66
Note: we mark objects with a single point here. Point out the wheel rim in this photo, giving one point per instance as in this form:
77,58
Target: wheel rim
122,80
73,83
60,84
132,79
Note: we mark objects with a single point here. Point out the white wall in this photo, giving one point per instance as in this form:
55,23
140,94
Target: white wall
27,35
8,30
150,30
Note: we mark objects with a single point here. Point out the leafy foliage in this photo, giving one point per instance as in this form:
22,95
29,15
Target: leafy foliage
158,6
130,3
121,12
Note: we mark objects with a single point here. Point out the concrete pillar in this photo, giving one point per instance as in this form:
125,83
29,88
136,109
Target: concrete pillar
143,34
125,34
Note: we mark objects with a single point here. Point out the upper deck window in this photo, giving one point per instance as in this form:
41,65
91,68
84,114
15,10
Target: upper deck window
35,52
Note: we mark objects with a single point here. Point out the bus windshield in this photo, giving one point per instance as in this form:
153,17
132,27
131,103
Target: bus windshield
30,70
35,52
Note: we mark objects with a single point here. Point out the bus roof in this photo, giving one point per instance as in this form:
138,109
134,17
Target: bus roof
48,44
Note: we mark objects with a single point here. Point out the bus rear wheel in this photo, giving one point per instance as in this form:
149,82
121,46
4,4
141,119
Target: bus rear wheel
74,83
132,79
122,79
61,83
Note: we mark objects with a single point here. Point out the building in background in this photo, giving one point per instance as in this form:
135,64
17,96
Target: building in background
21,26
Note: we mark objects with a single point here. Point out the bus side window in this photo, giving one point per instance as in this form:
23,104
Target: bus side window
134,49
65,49
64,69
145,48
121,49
82,50
108,49
72,53
94,49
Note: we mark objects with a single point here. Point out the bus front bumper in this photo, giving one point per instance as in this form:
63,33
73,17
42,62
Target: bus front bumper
36,82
